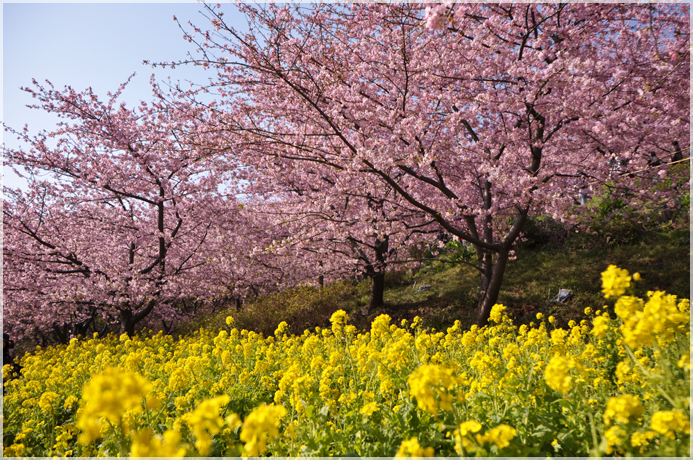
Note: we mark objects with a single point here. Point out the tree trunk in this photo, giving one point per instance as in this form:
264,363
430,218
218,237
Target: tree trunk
377,291
486,266
490,284
62,333
492,263
128,320
127,326
376,272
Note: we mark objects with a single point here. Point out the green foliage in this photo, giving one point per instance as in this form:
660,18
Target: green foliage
610,201
397,278
615,216
438,258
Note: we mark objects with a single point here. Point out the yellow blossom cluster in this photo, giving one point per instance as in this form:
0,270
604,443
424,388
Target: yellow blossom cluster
338,320
557,373
430,385
109,395
147,444
657,319
262,424
615,281
622,409
469,440
412,448
500,436
670,422
463,436
205,421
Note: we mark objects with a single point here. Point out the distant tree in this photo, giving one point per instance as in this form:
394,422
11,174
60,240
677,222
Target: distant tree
476,115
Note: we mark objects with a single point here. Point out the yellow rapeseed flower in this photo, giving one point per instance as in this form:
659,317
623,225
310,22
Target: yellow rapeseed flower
369,373
622,409
615,281
338,320
614,438
178,380
281,329
557,374
381,325
667,422
685,361
500,436
205,421
147,444
658,319
429,384
46,401
15,450
627,306
412,448
261,425
600,325
470,426
463,434
69,402
110,394
369,408
642,438
233,421
497,313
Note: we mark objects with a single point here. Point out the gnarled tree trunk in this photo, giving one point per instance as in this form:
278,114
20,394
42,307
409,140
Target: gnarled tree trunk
128,320
376,272
377,291
489,286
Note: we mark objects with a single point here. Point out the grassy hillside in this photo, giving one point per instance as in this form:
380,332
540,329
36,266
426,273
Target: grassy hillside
575,262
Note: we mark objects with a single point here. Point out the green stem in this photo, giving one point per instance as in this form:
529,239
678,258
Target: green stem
593,429
52,432
529,380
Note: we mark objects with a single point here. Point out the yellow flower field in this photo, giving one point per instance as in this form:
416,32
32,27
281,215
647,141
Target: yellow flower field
615,384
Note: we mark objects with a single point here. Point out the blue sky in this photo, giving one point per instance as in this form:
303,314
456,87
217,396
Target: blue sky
91,44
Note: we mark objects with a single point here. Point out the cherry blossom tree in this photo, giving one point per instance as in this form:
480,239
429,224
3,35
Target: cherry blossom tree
475,115
122,216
